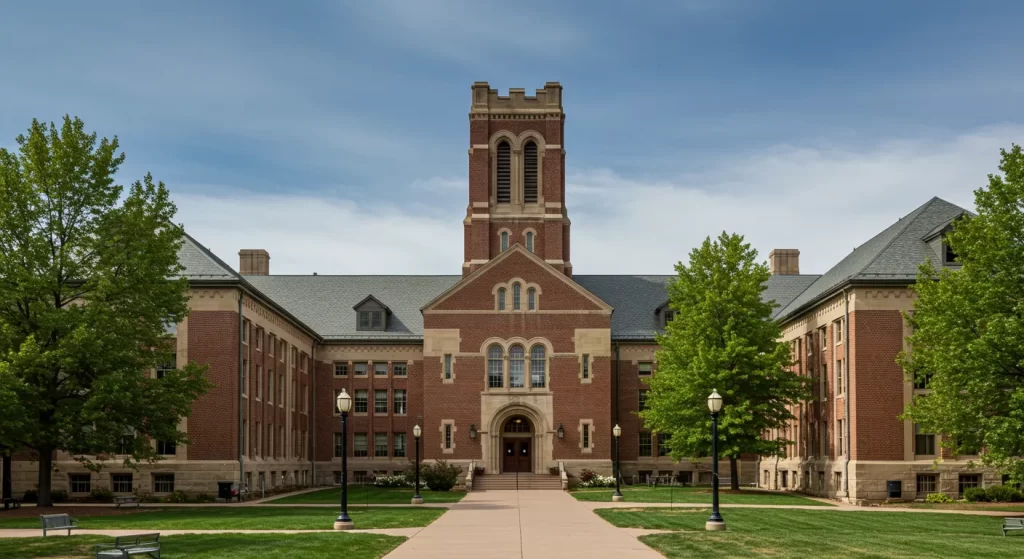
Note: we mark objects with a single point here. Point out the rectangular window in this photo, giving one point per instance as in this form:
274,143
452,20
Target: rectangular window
380,402
643,400
645,444
495,370
538,364
924,443
663,442
362,401
926,483
127,444
586,366
364,320
164,368
969,481
166,448
377,320
823,337
305,398
644,369
824,381
838,480
839,437
448,436
245,331
245,377
259,339
271,342
81,483
839,377
271,383
447,366
380,369
337,445
359,445
380,445
400,369
586,435
121,483
785,479
360,369
400,402
837,327
163,483
922,381
259,381
399,447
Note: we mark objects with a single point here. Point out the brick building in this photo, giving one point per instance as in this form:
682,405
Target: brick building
525,366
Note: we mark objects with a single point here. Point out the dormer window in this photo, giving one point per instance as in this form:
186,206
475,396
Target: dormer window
665,315
371,314
948,256
669,316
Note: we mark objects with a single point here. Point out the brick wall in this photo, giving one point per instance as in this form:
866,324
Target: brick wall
877,383
213,341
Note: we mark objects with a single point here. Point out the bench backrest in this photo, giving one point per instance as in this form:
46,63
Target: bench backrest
136,539
55,520
1013,521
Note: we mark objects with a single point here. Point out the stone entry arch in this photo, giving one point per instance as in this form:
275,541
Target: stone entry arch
537,439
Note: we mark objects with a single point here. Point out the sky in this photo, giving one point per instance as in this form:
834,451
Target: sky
335,134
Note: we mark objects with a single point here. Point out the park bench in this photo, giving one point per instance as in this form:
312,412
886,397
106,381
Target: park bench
1012,524
126,546
57,522
11,503
126,500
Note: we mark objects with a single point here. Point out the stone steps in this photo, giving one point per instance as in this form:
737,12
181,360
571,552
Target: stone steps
512,482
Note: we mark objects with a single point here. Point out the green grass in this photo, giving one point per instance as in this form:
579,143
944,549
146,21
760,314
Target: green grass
236,546
368,494
694,495
1008,507
820,533
245,518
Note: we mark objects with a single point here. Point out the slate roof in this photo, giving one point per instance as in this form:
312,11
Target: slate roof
892,255
202,264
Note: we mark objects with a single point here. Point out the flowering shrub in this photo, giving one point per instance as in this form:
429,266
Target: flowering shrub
597,480
586,475
392,481
938,498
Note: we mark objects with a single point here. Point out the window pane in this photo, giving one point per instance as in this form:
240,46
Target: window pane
448,436
645,444
399,445
400,369
380,401
121,483
516,367
448,366
400,404
380,445
663,443
495,367
380,369
360,369
643,400
377,321
364,320
340,370
530,173
359,443
501,299
537,366
586,435
586,366
644,369
515,297
504,173
531,299
529,241
361,401
81,483
337,445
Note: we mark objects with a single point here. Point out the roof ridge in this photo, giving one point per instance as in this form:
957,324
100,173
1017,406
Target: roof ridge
209,254
909,220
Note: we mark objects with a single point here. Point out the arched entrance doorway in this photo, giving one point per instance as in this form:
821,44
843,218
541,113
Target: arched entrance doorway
517,445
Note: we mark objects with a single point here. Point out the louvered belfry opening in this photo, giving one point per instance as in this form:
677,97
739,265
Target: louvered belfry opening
530,173
504,173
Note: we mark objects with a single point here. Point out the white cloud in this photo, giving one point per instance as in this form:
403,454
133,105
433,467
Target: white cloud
821,200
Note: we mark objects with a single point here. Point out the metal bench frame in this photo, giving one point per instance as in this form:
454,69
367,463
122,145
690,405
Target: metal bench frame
126,546
49,522
126,500
1012,523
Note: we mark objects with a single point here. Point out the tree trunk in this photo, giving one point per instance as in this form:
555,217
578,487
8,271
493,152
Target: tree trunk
45,476
734,474
6,473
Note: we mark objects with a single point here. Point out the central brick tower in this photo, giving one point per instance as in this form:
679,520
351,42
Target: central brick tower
516,176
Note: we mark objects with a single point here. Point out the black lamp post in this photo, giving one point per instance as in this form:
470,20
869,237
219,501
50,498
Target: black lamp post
416,499
715,522
343,522
617,496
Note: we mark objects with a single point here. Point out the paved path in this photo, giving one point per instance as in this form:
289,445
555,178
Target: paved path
523,525
843,508
37,532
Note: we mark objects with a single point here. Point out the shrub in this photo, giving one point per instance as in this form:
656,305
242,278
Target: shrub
1004,494
440,476
204,498
58,496
938,498
553,470
597,481
975,495
101,495
31,496
177,497
145,497
398,480
587,475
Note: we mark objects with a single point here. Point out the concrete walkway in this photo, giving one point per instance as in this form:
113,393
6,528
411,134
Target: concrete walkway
36,532
521,524
842,508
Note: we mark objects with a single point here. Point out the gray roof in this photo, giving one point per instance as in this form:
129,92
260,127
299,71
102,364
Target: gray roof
892,255
634,299
200,263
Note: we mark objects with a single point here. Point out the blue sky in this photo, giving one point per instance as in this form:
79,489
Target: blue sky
334,134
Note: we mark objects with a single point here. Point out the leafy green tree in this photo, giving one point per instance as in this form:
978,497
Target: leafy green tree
723,337
968,329
87,288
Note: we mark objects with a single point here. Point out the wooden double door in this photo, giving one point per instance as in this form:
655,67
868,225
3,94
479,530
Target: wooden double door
517,455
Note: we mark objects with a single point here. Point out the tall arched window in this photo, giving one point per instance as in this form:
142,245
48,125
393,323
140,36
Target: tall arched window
531,299
501,298
495,367
516,296
516,367
530,173
504,186
529,241
537,364
504,241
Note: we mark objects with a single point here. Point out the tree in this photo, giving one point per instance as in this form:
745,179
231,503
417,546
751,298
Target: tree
967,343
723,337
87,289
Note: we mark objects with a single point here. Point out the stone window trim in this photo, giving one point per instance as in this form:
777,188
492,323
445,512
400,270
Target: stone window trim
530,243
504,239
441,429
525,288
838,334
586,368
80,483
587,424
341,369
517,166
445,357
528,345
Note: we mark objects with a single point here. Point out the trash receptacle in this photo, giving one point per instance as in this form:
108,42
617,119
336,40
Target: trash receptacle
224,490
895,489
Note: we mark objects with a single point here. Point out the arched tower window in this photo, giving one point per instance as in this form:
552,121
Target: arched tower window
531,299
504,186
504,241
516,297
501,298
537,364
529,172
516,367
529,241
495,367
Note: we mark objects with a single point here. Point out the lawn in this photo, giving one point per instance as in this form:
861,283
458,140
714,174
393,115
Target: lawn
236,546
368,494
695,495
1008,507
820,533
244,518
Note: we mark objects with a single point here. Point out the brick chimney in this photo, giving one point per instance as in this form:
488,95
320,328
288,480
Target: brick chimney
784,262
253,262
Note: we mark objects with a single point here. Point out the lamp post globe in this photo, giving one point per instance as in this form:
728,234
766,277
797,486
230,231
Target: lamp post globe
416,499
617,496
715,522
344,403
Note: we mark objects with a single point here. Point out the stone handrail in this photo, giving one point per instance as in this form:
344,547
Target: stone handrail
469,476
562,474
